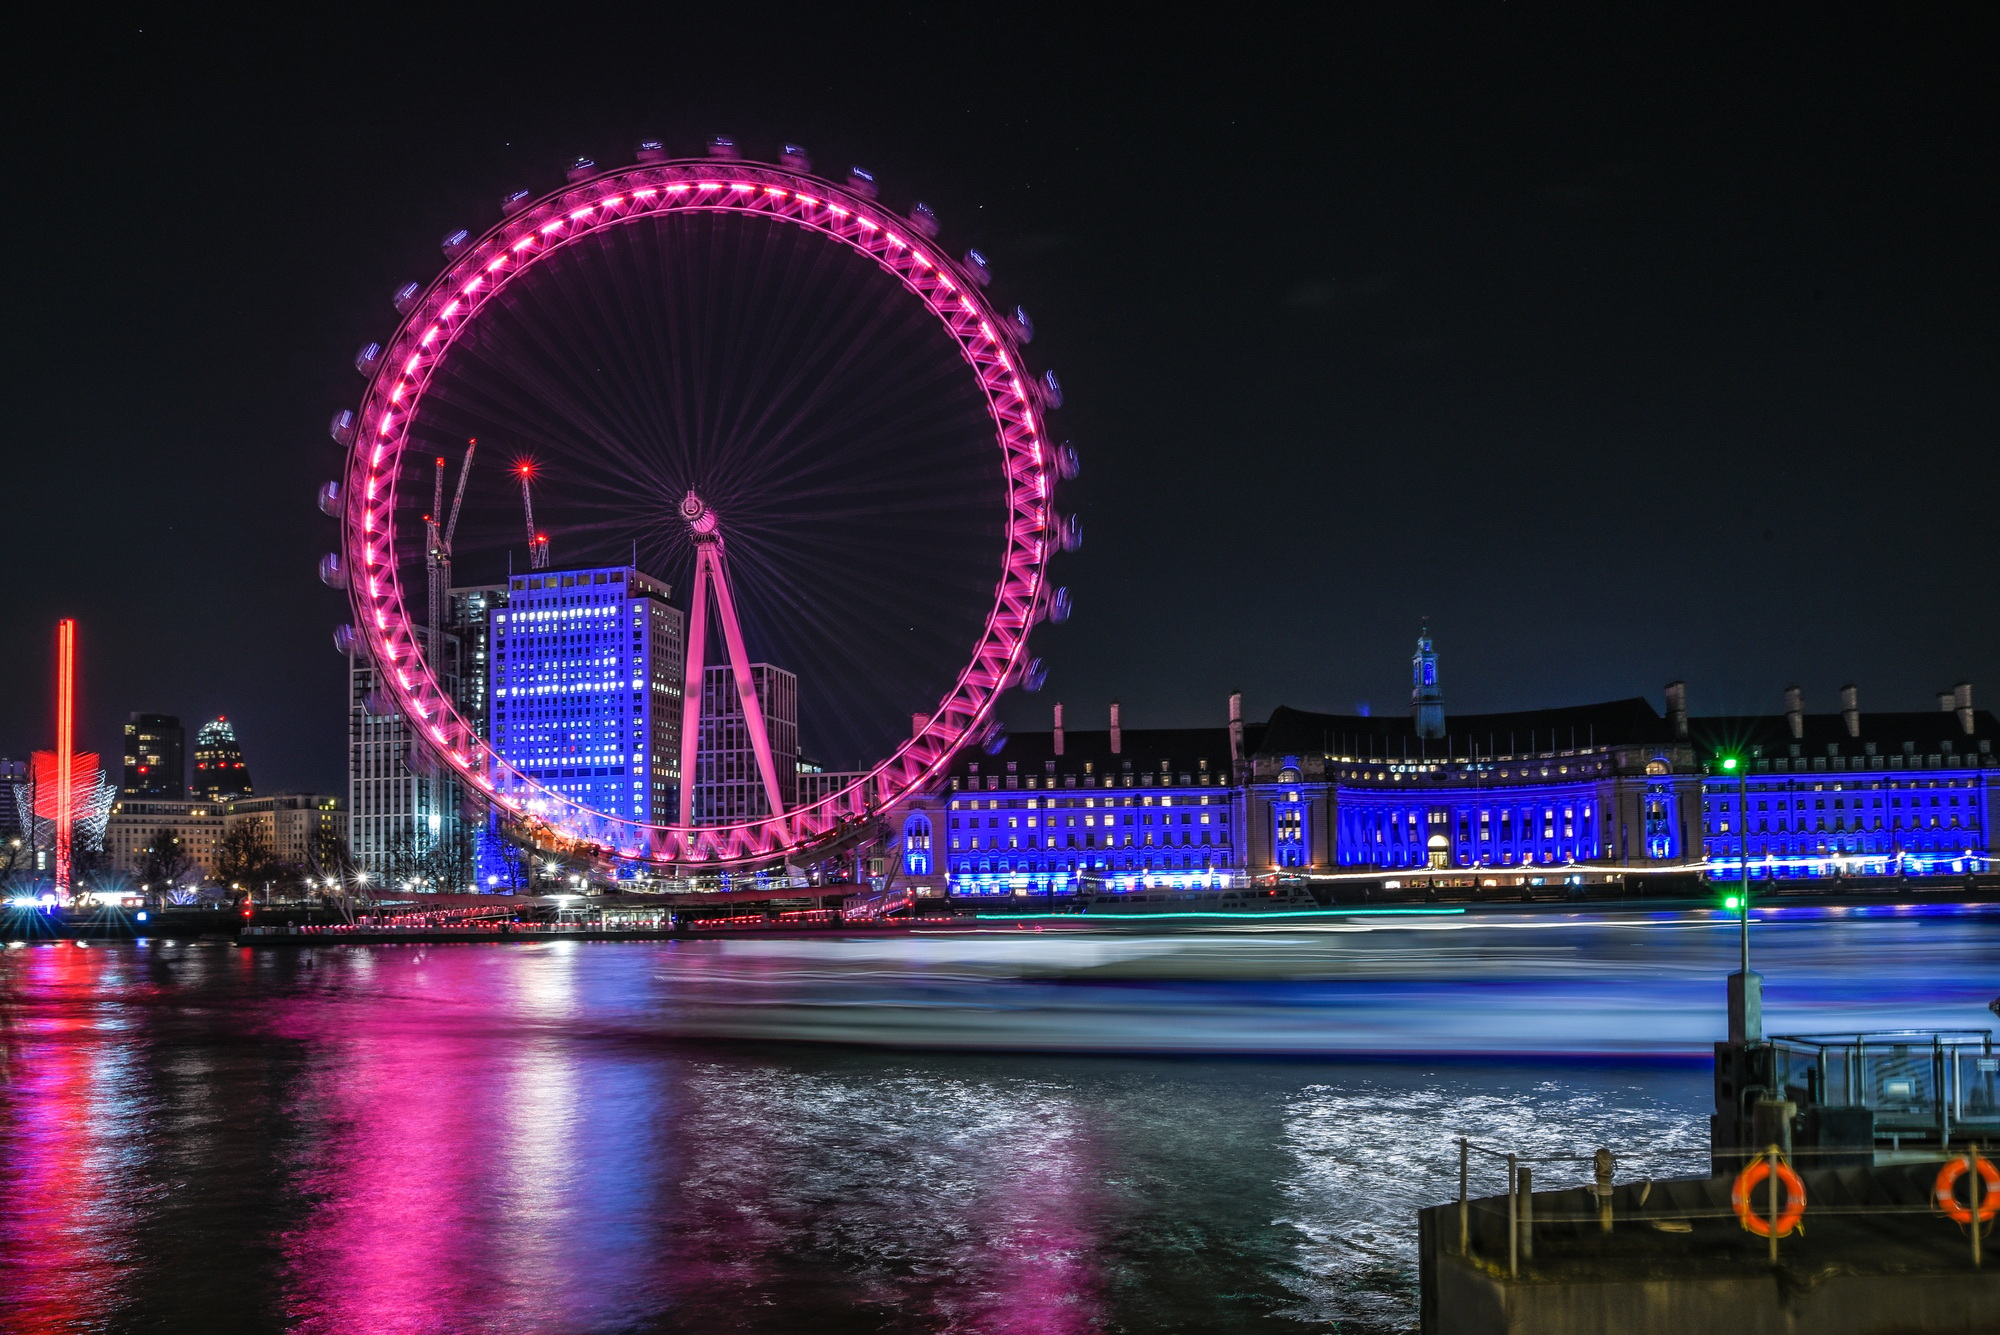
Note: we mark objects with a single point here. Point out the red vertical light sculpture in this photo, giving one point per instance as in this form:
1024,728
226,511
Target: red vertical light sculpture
65,749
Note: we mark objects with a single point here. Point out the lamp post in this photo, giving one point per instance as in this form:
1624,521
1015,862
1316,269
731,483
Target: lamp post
1746,989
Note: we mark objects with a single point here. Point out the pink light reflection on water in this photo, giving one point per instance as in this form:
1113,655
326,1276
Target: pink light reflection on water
1042,1240
397,1188
467,1158
61,1231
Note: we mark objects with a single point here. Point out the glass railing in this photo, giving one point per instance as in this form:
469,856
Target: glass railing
1917,1082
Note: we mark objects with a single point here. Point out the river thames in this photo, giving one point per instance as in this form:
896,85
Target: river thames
1034,1127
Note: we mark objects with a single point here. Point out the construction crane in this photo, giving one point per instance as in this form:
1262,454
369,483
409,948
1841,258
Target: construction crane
440,532
438,566
538,543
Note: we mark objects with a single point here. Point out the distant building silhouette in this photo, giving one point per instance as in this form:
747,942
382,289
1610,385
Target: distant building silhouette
219,772
155,757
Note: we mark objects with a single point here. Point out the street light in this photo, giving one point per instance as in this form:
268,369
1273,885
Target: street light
1746,992
1741,768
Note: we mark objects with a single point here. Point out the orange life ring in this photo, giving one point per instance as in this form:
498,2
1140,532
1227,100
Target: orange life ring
1795,1197
1947,1193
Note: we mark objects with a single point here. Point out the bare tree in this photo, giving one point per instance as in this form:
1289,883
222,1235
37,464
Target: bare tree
422,861
245,861
166,866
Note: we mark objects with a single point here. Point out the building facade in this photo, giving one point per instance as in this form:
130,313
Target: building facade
1055,813
298,828
1614,785
401,807
816,782
134,822
469,619
586,688
728,786
1851,794
155,757
220,773
396,800
1565,796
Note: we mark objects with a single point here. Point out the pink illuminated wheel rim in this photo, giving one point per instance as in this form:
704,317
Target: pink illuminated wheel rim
389,617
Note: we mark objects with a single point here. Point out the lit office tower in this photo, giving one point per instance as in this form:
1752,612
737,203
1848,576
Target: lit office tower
219,771
586,688
390,808
728,784
468,614
402,809
155,757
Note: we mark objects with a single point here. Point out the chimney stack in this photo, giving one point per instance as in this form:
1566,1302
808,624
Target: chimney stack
1235,728
1795,711
1850,709
1059,738
1961,698
1947,701
1677,708
1117,733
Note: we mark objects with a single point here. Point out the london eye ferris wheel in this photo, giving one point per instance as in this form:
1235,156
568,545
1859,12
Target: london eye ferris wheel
791,414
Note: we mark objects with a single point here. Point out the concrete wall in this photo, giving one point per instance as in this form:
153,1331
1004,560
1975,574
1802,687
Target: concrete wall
1471,1297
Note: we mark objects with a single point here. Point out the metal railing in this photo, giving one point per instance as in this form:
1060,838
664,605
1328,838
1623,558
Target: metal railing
1916,1082
1897,1207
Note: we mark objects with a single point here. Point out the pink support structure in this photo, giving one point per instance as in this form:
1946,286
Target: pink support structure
753,710
451,306
711,576
697,658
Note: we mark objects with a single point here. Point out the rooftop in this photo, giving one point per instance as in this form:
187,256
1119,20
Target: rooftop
1571,728
1140,750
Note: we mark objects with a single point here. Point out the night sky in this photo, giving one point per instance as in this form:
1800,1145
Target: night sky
1624,347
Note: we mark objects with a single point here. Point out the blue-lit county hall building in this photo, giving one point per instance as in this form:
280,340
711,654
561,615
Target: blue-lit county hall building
1533,802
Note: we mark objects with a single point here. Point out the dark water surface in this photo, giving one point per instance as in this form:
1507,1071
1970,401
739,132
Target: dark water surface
1055,1131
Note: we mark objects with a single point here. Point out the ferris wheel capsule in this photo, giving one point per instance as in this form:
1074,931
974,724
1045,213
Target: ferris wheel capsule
995,740
581,169
924,219
341,428
455,242
1068,465
796,159
513,203
329,499
977,269
344,640
1072,533
406,297
722,146
861,182
331,572
1021,326
1059,606
368,358
651,150
1035,675
1051,389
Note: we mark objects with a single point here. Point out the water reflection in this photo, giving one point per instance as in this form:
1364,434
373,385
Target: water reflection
565,1137
461,1162
70,1117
